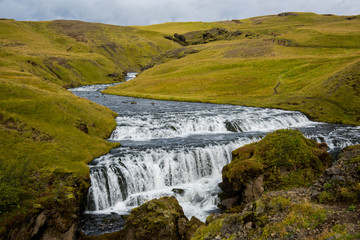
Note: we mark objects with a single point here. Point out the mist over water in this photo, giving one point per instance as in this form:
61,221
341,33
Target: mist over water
179,148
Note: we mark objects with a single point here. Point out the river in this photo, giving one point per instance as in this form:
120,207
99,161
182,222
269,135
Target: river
179,148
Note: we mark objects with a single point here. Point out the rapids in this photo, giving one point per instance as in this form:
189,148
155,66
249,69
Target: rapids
179,148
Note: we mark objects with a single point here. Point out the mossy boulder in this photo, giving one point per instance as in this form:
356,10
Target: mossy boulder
161,218
340,182
283,159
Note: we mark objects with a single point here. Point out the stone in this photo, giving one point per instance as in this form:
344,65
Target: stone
39,222
161,218
339,183
230,202
254,189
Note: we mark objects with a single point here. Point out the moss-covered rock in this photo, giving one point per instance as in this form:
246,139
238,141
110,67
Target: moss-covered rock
55,215
340,182
283,159
161,218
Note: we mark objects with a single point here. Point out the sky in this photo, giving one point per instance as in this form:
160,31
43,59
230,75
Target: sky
146,12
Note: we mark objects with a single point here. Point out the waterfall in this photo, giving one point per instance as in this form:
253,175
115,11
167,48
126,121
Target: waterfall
177,148
123,177
150,126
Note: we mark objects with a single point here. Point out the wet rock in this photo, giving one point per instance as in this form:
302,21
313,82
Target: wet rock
230,127
97,224
178,191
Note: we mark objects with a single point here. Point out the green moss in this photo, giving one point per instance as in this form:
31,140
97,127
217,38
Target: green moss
327,186
279,203
285,157
243,170
325,197
351,208
300,216
209,231
349,194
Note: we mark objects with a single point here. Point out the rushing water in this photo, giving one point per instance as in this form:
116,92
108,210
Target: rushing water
179,148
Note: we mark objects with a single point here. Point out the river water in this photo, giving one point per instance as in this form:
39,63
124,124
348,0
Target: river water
179,148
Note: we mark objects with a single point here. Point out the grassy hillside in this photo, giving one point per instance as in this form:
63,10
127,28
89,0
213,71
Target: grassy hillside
300,61
296,61
47,134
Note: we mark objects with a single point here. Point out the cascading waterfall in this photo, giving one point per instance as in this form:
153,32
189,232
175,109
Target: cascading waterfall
125,176
176,148
152,126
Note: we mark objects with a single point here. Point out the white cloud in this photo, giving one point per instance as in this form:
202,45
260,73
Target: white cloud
143,12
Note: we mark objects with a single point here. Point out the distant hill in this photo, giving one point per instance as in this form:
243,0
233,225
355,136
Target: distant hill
296,61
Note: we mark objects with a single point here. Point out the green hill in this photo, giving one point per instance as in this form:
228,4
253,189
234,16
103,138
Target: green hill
296,61
47,134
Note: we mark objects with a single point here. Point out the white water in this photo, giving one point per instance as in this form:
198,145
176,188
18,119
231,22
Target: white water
119,183
176,148
210,121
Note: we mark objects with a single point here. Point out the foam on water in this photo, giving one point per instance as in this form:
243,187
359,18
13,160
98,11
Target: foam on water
210,121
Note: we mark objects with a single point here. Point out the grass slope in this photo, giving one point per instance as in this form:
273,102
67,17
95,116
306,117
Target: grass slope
47,133
297,61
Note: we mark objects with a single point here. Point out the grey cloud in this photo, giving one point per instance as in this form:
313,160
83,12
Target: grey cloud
143,12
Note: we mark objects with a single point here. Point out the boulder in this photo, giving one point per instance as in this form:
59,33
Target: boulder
283,159
159,219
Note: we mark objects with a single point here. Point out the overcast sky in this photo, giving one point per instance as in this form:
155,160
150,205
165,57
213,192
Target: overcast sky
145,12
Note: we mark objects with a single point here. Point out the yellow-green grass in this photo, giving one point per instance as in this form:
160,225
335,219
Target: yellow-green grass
317,68
46,132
